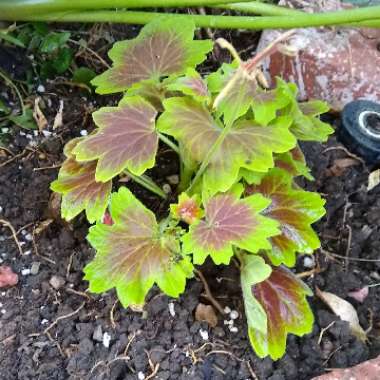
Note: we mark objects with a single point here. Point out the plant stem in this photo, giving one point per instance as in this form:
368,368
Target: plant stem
8,81
363,17
168,142
185,178
259,8
147,183
16,8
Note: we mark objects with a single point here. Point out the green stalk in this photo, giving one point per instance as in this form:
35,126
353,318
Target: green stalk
168,142
16,8
363,17
147,183
259,8
8,81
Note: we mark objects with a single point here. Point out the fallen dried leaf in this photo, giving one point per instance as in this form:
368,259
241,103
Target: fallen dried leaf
38,115
58,117
359,295
206,313
345,311
340,165
7,276
373,179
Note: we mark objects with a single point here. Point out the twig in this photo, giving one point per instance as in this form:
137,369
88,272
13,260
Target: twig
7,150
111,315
93,52
14,234
323,330
209,295
345,150
349,258
12,159
78,293
223,352
64,317
254,376
154,367
36,250
47,167
349,240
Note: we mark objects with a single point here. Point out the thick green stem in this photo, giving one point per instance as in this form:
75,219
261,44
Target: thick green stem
363,17
259,8
185,178
16,8
147,183
168,142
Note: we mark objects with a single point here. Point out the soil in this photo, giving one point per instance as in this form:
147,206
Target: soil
57,332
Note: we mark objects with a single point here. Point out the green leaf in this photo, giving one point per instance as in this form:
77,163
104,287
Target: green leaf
229,222
11,39
248,145
24,120
294,163
191,84
76,182
295,210
283,297
306,123
242,92
254,270
63,60
219,79
126,139
133,254
163,47
54,41
83,75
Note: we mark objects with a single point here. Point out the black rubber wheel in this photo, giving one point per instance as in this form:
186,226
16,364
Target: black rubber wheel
360,129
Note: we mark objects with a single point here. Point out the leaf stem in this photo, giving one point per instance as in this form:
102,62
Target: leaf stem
147,183
362,17
169,142
8,81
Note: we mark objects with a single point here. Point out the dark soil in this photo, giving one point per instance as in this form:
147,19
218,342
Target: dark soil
49,333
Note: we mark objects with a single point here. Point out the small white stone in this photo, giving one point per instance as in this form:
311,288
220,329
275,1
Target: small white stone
234,314
227,310
83,132
25,272
44,321
141,376
41,88
46,133
1,209
106,339
1,305
203,334
28,252
173,179
4,130
229,322
309,262
166,188
28,237
171,309
233,329
3,311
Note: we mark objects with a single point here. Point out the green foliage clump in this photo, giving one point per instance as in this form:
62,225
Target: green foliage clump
237,143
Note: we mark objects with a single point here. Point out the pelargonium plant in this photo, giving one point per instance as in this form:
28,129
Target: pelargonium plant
237,143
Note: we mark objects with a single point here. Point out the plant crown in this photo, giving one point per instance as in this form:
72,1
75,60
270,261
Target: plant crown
238,149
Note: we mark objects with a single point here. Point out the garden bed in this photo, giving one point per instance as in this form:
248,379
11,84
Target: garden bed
60,332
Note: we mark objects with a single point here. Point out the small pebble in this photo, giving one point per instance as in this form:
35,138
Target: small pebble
44,321
28,237
166,188
141,376
227,310
46,133
233,329
203,334
234,314
171,309
98,334
35,268
57,282
41,88
309,262
173,179
28,252
3,311
83,132
106,339
25,271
